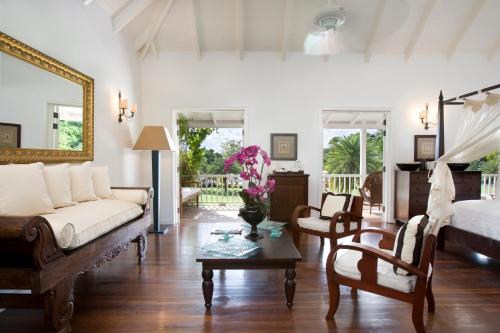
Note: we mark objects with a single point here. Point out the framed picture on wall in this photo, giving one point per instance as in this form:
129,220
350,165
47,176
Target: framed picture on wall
425,148
284,146
10,135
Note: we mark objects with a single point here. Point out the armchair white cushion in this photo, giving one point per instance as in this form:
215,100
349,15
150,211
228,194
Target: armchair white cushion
23,191
347,265
334,203
315,223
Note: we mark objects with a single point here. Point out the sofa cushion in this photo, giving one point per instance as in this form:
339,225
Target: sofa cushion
77,225
346,265
82,186
315,223
23,191
100,179
58,184
139,197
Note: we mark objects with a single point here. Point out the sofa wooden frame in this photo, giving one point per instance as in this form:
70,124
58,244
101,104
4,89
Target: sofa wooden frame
30,259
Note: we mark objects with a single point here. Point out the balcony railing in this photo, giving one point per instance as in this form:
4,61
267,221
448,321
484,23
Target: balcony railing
488,184
341,183
220,189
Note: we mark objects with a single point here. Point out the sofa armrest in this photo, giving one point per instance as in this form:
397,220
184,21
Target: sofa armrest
30,235
135,194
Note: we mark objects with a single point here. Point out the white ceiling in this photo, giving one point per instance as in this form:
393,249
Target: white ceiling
405,27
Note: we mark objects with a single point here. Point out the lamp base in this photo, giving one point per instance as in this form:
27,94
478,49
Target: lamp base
162,229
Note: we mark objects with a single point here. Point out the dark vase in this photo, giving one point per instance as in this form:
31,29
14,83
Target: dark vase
253,216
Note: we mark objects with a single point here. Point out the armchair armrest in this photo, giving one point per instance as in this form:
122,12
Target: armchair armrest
302,211
135,194
28,235
368,263
387,241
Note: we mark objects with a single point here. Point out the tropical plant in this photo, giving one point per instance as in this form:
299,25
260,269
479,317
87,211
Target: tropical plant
488,164
256,195
343,154
191,152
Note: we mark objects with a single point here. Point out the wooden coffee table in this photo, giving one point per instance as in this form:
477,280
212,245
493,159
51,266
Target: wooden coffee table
276,253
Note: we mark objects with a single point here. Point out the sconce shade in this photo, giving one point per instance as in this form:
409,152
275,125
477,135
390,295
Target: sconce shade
123,104
155,138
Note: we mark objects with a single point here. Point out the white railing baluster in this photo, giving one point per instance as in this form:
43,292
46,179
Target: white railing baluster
488,184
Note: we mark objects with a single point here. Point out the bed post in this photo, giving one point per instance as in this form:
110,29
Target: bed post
440,128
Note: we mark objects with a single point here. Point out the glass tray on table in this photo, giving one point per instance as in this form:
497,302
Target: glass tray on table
237,248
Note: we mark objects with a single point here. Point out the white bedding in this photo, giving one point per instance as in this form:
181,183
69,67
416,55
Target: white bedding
480,217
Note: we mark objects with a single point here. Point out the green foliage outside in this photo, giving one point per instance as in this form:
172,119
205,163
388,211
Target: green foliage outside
488,164
213,163
70,135
342,154
191,152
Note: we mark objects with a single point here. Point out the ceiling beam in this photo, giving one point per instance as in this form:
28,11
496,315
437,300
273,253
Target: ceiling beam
196,29
494,49
154,49
141,40
420,27
373,31
464,26
128,14
284,36
155,25
240,44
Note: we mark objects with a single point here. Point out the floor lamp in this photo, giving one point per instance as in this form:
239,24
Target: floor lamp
156,139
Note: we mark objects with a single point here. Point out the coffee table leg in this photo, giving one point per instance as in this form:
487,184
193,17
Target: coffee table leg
289,286
208,286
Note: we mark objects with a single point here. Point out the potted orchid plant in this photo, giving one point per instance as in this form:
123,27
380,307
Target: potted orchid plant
256,195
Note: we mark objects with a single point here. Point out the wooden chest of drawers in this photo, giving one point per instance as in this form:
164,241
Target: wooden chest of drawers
412,191
290,191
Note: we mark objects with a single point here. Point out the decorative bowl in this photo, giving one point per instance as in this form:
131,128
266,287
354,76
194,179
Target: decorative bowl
458,166
408,166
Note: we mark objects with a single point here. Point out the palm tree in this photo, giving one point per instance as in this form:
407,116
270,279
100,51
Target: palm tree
342,155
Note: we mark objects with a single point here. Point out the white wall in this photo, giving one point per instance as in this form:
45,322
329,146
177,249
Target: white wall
81,37
289,96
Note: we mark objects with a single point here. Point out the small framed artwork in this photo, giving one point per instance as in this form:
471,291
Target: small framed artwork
425,148
10,135
284,146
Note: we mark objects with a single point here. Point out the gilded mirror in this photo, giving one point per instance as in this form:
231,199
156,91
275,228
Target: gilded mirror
46,107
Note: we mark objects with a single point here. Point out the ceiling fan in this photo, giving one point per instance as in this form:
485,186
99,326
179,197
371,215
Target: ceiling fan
328,24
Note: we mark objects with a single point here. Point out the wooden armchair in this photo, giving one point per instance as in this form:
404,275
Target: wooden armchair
372,270
372,189
340,221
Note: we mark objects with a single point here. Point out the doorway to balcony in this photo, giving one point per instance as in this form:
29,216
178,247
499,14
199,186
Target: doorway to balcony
206,138
355,155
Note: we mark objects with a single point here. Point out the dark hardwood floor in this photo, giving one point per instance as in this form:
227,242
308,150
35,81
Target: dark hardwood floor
165,294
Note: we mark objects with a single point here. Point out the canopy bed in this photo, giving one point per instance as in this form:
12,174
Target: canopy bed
474,224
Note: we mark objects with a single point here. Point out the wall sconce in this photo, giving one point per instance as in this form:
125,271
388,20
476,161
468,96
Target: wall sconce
123,105
424,117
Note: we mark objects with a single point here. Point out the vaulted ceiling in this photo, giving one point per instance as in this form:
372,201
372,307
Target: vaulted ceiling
406,27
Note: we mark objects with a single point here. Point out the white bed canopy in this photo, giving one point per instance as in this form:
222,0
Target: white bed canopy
478,136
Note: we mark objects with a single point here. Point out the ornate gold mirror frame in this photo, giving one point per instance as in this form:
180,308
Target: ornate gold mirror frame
26,53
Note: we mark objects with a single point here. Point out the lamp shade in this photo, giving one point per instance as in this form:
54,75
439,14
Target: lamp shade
154,138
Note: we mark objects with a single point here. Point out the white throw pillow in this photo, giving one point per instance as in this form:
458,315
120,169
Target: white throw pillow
23,191
82,186
102,186
58,184
334,203
410,240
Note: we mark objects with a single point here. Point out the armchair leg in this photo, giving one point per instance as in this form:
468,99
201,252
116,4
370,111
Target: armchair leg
322,241
334,291
430,296
417,315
